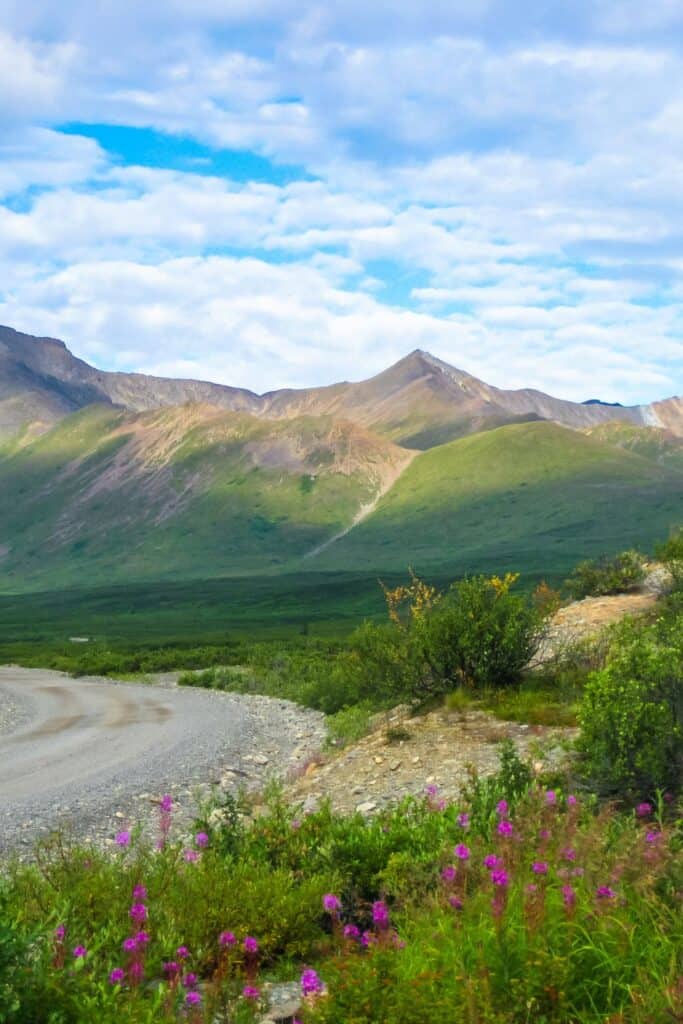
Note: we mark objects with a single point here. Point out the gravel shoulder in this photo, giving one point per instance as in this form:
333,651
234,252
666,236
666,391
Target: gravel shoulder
94,755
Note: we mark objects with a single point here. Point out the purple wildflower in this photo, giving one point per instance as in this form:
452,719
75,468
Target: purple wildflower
136,972
191,856
250,945
604,892
502,808
462,852
138,913
190,980
456,903
139,893
142,938
448,874
79,952
551,797
123,838
60,932
505,828
166,803
193,998
653,837
568,896
310,982
171,968
463,819
572,800
251,992
644,810
380,914
491,861
129,945
201,839
182,952
226,939
331,903
116,976
500,878
296,824
351,931
539,867
568,853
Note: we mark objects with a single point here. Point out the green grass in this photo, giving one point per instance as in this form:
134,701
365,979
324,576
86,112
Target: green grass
533,497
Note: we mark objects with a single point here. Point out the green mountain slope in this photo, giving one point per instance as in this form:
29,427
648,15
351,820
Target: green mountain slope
535,497
186,492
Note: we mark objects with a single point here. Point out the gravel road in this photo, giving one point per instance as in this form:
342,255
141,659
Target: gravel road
94,755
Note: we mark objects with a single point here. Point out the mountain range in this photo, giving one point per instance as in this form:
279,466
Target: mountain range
109,477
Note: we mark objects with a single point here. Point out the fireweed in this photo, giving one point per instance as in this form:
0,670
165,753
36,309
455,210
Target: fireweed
571,915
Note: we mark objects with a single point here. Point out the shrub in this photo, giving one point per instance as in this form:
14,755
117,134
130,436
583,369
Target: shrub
671,554
632,712
607,575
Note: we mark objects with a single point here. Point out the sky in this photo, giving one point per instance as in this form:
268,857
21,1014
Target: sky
273,193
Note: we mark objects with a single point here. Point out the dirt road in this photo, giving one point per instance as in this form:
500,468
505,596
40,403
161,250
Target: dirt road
94,753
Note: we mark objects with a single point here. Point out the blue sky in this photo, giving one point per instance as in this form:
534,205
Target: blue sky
282,192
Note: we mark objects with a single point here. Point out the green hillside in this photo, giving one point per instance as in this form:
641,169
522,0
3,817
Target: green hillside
534,497
108,497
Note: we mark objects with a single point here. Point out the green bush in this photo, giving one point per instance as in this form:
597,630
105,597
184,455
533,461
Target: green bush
632,712
671,554
606,575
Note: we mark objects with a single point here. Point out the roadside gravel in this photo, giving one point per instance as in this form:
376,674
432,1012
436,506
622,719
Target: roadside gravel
94,756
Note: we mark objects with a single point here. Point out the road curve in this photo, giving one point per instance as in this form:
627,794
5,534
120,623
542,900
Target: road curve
83,752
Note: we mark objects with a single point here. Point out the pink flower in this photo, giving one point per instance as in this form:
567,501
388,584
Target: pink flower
462,852
129,945
568,853
310,982
604,892
551,797
116,976
251,992
572,800
123,838
491,861
190,980
142,938
539,867
226,939
500,878
463,820
456,902
653,837
136,972
351,931
296,824
502,808
644,810
331,903
171,968
448,874
138,913
79,952
250,945
191,856
139,893
505,828
380,914
60,932
568,896
166,803
182,952
193,998
201,839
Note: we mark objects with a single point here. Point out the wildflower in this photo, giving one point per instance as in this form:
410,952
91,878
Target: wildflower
544,833
505,828
463,820
129,945
193,998
643,810
142,938
166,803
568,896
331,903
491,861
310,982
190,980
191,856
123,838
296,824
577,872
380,914
653,837
139,893
226,939
456,903
572,800
502,808
116,976
171,968
60,932
251,992
462,852
531,888
431,791
500,878
368,939
351,931
201,839
138,913
250,945
136,972
551,797
79,952
539,867
568,853
182,952
448,874
604,892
